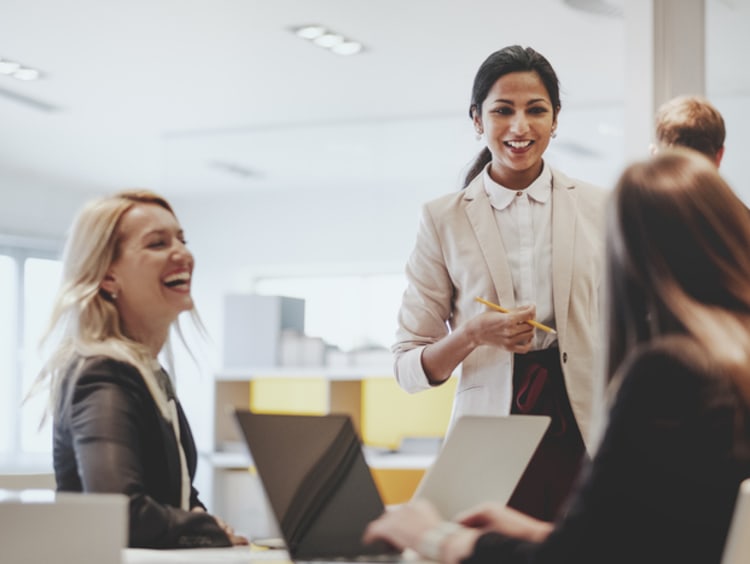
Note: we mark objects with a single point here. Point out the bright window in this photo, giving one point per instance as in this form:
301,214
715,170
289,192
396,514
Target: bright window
28,283
41,281
9,396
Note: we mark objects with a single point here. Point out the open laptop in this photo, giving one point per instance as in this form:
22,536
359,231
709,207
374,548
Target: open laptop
318,484
737,546
482,459
323,495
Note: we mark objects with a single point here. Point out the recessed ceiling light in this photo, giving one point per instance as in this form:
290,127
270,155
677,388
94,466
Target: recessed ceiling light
333,41
17,70
328,40
8,67
347,48
26,74
310,31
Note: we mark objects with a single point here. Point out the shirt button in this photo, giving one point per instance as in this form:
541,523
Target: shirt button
519,194
565,357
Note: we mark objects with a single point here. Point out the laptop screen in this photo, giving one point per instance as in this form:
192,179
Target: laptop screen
482,459
316,480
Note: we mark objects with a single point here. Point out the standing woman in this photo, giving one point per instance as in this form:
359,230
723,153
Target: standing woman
663,483
530,239
118,426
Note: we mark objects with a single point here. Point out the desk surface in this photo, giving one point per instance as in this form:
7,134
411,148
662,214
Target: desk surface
235,555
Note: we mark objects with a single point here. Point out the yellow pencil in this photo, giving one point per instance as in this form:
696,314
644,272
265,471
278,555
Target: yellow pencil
503,310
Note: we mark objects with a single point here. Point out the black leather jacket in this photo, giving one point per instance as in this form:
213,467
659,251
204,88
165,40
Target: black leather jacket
109,436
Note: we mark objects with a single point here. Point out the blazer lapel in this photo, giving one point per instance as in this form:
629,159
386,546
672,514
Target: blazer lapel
482,219
563,239
172,461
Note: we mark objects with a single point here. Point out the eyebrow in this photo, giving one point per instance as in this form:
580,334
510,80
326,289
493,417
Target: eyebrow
162,232
529,103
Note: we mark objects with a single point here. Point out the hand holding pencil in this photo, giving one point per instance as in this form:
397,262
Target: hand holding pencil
503,310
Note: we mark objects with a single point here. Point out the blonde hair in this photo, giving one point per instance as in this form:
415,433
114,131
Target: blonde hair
84,316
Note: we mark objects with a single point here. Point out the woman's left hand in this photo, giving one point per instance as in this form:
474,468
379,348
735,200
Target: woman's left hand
234,538
502,519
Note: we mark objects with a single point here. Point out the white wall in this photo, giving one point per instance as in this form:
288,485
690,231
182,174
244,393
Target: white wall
35,205
304,234
737,120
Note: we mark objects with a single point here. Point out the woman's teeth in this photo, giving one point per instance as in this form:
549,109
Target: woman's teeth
518,144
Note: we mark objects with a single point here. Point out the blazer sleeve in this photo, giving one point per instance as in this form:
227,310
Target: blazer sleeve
425,308
108,419
662,486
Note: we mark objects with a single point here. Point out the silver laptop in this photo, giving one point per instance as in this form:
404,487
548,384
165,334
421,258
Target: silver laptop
323,495
737,546
482,459
44,526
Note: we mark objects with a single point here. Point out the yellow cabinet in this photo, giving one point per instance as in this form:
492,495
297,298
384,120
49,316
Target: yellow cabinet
389,414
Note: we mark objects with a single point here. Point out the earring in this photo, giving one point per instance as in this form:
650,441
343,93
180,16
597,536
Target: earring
554,134
113,295
479,134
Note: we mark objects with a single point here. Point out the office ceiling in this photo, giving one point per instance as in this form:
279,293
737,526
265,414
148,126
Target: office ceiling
200,98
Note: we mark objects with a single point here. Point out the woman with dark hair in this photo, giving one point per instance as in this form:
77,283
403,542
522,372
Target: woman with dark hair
676,446
530,239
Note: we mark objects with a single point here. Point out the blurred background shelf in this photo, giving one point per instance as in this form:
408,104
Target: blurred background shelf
271,366
400,432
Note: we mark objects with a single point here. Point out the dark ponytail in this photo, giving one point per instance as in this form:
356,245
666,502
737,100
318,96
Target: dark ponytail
480,161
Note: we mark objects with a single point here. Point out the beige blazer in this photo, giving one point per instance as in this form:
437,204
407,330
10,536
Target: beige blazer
459,255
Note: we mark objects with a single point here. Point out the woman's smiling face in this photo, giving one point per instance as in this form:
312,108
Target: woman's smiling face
517,120
152,272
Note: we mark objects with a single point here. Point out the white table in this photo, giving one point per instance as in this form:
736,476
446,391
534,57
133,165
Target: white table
235,555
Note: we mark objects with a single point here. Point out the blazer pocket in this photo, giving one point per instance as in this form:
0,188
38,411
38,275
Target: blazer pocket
469,388
472,400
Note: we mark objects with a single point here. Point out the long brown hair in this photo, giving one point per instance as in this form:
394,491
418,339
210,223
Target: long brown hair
678,261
